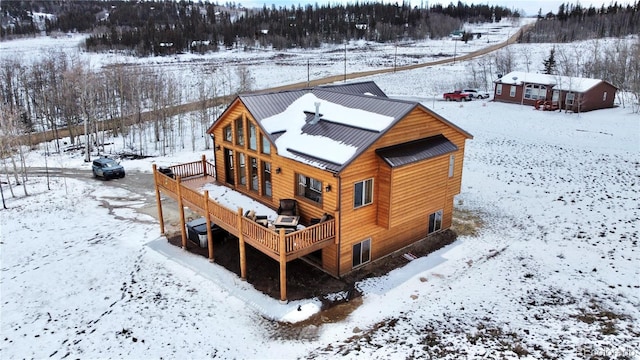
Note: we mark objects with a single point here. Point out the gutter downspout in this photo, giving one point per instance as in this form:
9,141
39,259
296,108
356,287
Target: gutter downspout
339,220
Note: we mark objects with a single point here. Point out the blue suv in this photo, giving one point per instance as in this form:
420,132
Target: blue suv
107,168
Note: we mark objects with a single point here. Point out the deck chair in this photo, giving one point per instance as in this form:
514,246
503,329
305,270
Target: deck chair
288,207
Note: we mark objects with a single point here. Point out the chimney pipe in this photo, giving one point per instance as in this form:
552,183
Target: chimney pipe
316,117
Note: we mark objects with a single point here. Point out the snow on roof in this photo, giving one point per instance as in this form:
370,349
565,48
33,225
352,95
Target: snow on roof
293,118
567,83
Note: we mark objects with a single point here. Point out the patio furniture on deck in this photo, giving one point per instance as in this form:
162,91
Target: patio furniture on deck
260,219
288,207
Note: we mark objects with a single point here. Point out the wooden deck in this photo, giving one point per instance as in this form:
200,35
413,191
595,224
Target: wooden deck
186,187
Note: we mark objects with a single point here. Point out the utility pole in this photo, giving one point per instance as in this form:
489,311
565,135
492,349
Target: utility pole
345,61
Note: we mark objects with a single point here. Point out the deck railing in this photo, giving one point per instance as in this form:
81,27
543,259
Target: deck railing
265,239
195,168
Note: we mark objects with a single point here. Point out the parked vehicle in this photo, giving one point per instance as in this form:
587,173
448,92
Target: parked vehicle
197,231
477,94
457,95
107,168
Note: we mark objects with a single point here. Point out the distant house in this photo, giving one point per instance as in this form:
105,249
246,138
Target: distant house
553,91
368,175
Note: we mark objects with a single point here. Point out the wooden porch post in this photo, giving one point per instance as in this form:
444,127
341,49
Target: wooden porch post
283,267
204,164
181,206
243,256
209,233
158,199
336,219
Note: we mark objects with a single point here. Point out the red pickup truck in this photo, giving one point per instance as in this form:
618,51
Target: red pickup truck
457,95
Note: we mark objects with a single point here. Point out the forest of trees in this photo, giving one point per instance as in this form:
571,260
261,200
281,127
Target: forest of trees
160,27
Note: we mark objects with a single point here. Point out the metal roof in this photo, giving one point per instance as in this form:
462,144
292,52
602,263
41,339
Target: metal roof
265,105
361,88
417,150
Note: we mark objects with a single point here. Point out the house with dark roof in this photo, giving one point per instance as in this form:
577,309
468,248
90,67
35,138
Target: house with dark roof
368,175
554,92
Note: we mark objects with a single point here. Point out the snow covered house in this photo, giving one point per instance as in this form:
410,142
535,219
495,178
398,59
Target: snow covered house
367,174
554,92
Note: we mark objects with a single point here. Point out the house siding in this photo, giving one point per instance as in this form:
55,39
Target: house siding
592,99
400,211
284,184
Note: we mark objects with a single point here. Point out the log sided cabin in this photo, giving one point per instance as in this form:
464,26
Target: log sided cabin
554,92
366,174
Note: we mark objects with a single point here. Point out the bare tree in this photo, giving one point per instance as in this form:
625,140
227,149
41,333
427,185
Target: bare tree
504,60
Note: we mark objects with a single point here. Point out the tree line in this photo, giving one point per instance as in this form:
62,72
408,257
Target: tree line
161,27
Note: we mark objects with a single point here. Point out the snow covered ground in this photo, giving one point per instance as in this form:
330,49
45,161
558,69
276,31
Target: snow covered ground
553,273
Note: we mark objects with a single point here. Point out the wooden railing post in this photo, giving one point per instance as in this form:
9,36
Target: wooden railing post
158,199
181,206
283,267
243,259
204,164
209,232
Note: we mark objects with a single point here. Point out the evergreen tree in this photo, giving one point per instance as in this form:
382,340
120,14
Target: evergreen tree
550,63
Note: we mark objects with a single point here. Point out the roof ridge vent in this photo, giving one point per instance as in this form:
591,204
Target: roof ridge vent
316,116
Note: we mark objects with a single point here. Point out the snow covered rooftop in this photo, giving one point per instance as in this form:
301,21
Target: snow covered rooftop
567,83
325,127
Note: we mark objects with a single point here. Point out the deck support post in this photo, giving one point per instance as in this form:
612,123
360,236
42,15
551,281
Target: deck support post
204,164
241,244
283,267
158,199
183,224
209,233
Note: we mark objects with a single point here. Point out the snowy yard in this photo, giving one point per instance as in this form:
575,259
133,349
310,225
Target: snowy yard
553,273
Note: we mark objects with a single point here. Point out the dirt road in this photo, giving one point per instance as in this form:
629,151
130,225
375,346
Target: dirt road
36,138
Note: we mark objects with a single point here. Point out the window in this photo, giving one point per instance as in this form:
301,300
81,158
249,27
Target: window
266,179
535,92
228,133
240,131
570,97
512,91
363,193
452,163
254,173
310,188
604,96
435,221
266,146
253,137
242,169
362,253
499,89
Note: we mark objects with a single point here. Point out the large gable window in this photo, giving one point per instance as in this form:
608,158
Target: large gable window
253,137
361,253
240,131
254,173
266,178
266,145
363,193
228,133
242,169
310,188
